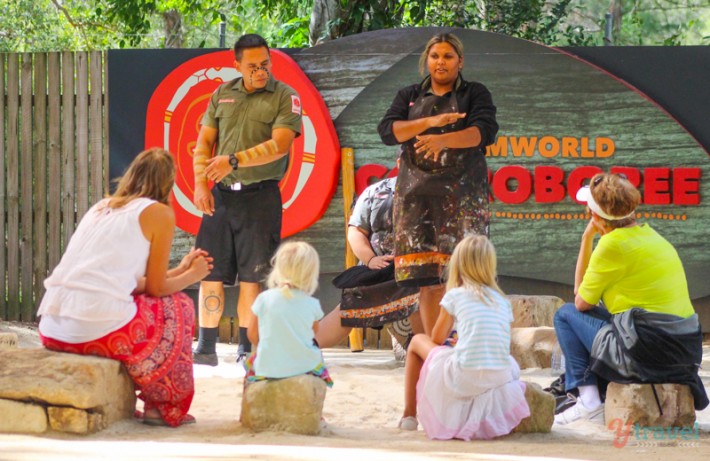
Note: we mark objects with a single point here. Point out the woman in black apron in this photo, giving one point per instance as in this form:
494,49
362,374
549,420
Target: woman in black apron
443,126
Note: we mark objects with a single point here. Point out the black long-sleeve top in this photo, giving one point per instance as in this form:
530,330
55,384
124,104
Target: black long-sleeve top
473,98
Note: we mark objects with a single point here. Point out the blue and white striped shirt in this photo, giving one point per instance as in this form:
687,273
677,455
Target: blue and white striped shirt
483,329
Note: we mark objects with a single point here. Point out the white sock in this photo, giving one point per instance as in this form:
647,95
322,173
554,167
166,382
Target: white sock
589,396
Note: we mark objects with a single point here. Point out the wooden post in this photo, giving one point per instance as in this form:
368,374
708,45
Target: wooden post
348,167
348,171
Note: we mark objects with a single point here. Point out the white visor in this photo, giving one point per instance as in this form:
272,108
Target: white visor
584,195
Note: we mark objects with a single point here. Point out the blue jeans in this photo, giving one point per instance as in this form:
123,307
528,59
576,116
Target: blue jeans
575,332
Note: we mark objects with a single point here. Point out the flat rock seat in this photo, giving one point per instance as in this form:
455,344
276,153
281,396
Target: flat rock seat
534,310
532,347
42,389
8,340
542,411
636,404
291,405
533,337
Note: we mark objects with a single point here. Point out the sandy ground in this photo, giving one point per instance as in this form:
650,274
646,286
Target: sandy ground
361,412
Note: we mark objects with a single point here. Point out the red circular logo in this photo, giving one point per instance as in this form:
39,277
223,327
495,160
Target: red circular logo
173,122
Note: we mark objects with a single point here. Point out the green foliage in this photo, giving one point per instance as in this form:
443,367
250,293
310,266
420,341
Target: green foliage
537,20
661,22
680,24
34,25
292,34
284,24
46,25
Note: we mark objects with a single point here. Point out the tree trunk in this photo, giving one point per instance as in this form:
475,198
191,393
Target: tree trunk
323,12
616,8
173,29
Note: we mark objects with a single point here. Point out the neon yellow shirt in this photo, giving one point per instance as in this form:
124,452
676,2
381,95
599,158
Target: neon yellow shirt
636,267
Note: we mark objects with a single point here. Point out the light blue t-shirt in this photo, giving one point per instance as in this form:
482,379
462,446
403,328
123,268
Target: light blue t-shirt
286,333
483,329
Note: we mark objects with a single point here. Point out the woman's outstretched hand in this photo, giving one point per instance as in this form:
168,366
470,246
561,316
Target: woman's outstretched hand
445,119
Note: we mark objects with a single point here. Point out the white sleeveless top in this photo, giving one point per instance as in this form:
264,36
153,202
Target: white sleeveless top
89,292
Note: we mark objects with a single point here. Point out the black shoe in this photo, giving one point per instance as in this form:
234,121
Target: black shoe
205,359
563,402
557,387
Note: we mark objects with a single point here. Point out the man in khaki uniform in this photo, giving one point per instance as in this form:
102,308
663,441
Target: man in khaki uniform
250,124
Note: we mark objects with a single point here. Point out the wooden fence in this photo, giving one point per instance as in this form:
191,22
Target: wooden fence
54,147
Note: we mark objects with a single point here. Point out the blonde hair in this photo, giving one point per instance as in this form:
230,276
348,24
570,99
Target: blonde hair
473,266
616,196
151,175
451,39
295,265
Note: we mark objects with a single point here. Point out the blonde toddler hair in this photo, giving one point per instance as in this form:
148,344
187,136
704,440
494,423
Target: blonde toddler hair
295,265
473,266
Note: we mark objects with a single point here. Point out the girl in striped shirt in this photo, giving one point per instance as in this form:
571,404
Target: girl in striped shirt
471,390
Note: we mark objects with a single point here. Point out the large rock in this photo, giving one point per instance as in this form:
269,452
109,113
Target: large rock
67,419
8,340
532,347
98,386
534,311
542,410
292,405
635,403
22,418
25,332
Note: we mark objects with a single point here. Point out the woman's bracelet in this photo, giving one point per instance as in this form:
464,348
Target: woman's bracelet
367,264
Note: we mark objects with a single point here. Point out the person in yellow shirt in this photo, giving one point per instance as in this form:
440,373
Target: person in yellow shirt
632,268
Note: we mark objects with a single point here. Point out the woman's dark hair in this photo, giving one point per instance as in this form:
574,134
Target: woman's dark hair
151,175
451,39
248,41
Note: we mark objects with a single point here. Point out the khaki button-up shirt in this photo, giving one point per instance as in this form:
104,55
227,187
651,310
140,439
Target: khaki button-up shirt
245,120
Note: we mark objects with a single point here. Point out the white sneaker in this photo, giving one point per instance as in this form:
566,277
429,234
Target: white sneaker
579,412
408,423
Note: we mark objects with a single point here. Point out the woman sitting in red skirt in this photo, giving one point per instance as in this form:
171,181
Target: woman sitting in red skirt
112,294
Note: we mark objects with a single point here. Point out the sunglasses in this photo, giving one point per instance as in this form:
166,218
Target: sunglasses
599,179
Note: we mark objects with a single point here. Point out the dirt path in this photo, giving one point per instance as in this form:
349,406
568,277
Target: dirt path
361,412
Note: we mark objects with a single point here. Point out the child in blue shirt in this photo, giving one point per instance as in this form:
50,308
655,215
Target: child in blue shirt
286,318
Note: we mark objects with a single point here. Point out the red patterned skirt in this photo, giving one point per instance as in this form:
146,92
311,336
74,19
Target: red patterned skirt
156,349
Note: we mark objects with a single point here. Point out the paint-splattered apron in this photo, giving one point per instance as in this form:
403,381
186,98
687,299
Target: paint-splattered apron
436,203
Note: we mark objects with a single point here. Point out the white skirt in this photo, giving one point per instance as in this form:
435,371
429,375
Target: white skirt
459,403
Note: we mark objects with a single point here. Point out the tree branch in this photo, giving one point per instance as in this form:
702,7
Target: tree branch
72,22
